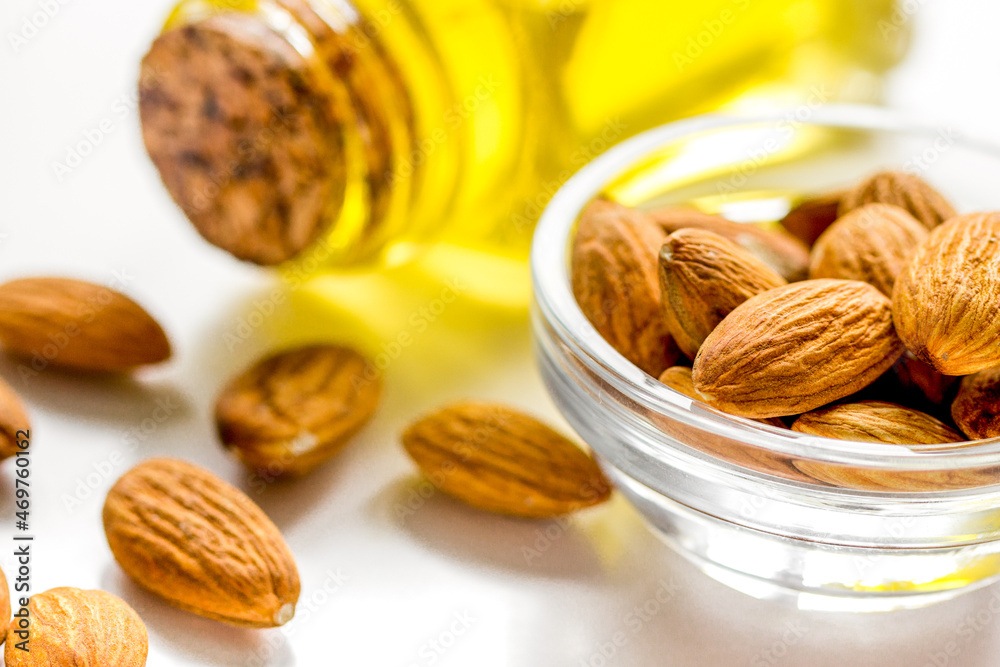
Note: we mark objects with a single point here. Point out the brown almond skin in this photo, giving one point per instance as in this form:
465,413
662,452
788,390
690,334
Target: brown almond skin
976,408
13,420
293,410
872,243
923,381
798,347
876,421
703,277
4,606
77,325
679,379
811,217
784,253
907,191
200,544
616,283
946,303
500,460
79,628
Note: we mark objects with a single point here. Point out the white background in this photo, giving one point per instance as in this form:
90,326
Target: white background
401,585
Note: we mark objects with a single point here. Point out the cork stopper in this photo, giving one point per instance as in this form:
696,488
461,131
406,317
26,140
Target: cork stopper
242,129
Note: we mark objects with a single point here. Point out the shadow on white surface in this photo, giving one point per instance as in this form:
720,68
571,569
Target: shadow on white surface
200,640
553,548
110,399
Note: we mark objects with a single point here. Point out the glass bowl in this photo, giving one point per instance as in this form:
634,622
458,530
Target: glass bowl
830,523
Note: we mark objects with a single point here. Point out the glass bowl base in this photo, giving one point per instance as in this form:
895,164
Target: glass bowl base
808,574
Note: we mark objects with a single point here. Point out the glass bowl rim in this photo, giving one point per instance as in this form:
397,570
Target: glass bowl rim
555,303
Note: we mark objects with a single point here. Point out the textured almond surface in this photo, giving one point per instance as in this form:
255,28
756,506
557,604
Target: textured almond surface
797,347
501,460
946,303
784,253
976,408
76,628
293,410
616,283
876,421
243,130
907,191
76,324
13,418
679,379
810,218
872,243
703,277
189,537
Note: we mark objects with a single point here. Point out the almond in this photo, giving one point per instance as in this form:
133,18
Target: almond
908,481
616,283
876,421
810,218
946,303
4,607
500,460
13,420
919,379
202,545
69,626
293,410
679,379
78,325
703,277
797,347
907,191
784,253
976,408
872,243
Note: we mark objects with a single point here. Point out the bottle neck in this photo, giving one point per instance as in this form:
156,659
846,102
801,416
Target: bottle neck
283,128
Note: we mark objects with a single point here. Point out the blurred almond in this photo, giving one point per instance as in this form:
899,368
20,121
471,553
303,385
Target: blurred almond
795,348
876,421
872,243
976,408
919,379
615,282
78,325
295,409
946,303
810,218
907,191
185,535
784,253
77,628
703,277
501,460
679,379
13,419
4,607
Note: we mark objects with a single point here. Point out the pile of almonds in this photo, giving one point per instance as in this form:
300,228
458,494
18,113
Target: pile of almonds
201,544
873,315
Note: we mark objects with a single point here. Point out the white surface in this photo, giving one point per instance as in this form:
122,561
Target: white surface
443,585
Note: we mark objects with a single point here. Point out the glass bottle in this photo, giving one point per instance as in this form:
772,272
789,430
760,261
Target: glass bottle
328,133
